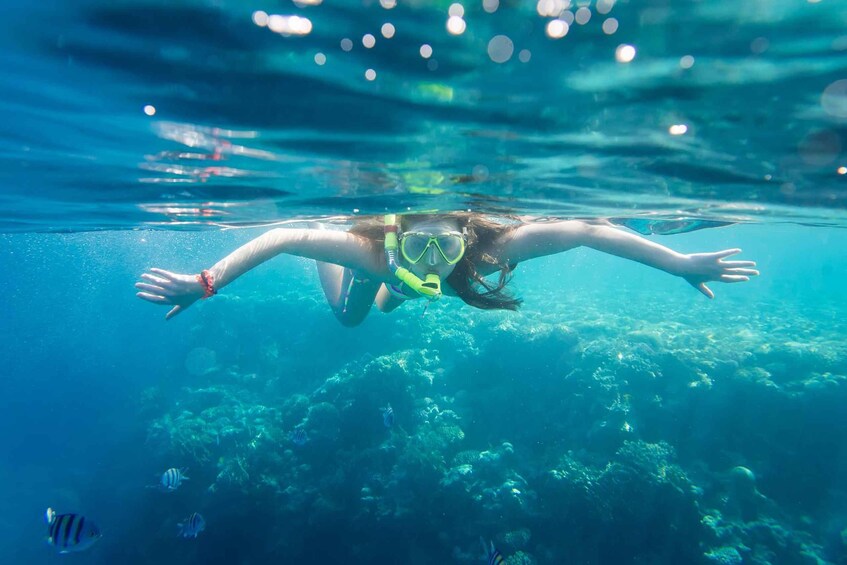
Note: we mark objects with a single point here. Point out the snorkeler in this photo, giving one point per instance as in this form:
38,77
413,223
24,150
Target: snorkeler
394,259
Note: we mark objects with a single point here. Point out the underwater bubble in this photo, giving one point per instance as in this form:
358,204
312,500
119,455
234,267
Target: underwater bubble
625,53
557,29
456,25
551,8
200,360
604,6
820,148
289,25
500,48
260,18
759,45
834,99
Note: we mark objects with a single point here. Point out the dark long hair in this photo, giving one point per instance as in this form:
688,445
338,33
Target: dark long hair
465,279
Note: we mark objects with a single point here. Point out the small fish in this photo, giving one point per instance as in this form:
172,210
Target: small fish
388,416
172,478
299,436
492,554
70,532
192,526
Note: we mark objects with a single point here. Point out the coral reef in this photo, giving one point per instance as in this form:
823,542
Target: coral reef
678,444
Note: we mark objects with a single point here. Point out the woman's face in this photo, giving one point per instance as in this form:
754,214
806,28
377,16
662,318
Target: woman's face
432,260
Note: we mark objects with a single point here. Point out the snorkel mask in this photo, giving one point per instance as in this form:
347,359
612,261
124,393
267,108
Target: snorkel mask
413,247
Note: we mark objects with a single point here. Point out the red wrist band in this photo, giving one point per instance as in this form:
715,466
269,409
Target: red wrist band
206,279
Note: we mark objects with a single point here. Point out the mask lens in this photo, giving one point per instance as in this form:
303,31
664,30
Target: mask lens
414,246
451,246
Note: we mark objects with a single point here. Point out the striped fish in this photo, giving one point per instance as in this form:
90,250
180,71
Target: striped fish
192,526
70,532
172,478
299,436
388,416
492,554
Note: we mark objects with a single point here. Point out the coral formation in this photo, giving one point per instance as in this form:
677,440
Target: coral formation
547,439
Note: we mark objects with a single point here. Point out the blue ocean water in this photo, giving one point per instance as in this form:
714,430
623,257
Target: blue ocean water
618,417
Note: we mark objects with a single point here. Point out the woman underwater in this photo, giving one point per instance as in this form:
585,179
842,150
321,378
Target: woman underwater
394,259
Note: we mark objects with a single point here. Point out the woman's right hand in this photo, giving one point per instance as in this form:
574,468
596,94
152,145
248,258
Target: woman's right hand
165,287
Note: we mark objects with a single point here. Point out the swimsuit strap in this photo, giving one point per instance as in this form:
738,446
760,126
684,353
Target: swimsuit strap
398,292
353,280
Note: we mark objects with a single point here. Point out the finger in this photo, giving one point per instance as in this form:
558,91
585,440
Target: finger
705,290
156,280
738,263
748,272
173,312
156,299
167,274
150,288
733,278
727,253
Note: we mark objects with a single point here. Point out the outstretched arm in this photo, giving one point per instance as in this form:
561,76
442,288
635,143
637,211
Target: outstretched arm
330,246
529,241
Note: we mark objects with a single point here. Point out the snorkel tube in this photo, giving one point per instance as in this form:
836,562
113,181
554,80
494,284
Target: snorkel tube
429,288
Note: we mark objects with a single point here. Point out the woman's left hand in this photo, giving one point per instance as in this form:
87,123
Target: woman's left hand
700,268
